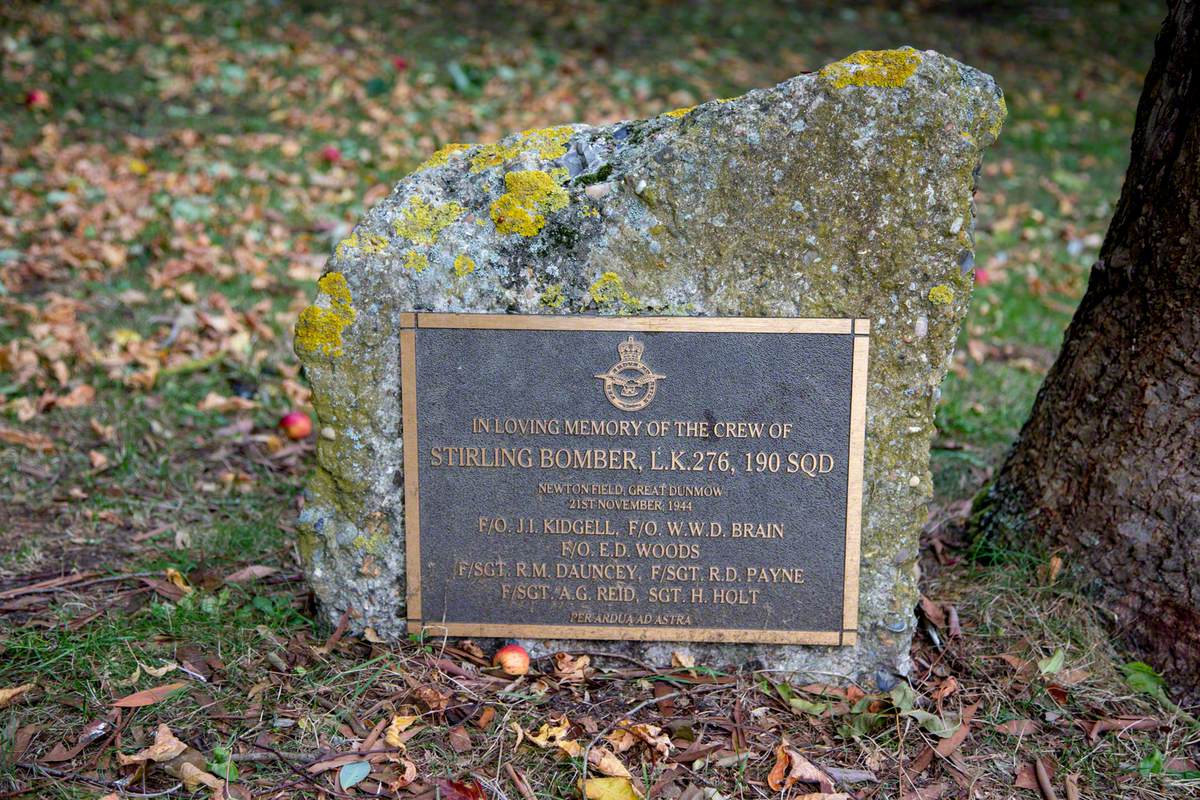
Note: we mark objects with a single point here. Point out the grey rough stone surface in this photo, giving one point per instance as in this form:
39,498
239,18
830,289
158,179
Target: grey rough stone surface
843,193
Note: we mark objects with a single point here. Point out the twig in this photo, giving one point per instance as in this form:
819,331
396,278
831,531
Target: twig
491,785
116,786
519,781
1043,780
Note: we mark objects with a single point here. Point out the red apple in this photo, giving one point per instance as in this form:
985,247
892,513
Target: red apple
37,98
400,63
296,425
512,659
982,277
331,154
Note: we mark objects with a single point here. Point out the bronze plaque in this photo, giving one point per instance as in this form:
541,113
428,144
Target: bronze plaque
651,478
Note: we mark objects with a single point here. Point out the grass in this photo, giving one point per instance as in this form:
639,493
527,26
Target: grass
177,191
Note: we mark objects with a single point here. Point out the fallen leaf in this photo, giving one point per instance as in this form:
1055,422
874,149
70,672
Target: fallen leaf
99,460
166,747
353,773
1018,727
215,402
398,726
8,695
571,669
177,579
253,572
681,660
608,789
460,740
1119,724
28,439
82,395
459,790
791,767
1026,777
148,697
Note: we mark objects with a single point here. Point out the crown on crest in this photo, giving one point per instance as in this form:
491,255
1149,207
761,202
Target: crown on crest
631,349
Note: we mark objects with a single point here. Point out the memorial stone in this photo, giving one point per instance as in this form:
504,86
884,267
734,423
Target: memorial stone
667,383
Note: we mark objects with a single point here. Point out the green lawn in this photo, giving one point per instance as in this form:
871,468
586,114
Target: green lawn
162,223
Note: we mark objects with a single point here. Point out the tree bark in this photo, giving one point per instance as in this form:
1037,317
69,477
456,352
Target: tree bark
1107,468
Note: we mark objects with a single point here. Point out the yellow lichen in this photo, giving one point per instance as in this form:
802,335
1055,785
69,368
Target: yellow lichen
941,295
553,297
319,328
421,222
609,291
415,261
679,112
546,143
442,157
883,68
464,265
531,194
369,243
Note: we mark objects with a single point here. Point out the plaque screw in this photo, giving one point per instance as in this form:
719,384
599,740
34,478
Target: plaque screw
897,626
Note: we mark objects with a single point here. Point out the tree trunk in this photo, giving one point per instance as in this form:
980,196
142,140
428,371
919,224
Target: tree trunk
1107,468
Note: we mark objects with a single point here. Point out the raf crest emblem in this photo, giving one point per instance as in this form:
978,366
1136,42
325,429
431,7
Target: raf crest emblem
630,384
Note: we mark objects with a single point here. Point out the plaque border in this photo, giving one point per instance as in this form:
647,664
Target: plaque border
858,328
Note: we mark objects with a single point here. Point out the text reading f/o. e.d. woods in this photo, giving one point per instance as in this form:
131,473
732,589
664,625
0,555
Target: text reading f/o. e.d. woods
638,511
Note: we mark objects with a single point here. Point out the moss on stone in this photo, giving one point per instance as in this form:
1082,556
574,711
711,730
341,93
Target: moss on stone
679,112
608,292
442,157
941,295
415,261
531,194
319,328
464,265
369,243
421,221
546,143
881,68
553,296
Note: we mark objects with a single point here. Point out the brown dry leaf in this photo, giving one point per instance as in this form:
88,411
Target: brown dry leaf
933,612
28,439
8,695
484,720
148,697
681,660
1018,727
606,763
934,791
99,460
1026,777
1120,724
946,747
399,725
165,748
216,402
571,669
946,688
791,767
189,768
822,796
253,572
628,733
82,395
460,740
1070,677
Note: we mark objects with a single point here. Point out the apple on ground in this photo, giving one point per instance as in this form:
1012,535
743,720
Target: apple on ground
296,425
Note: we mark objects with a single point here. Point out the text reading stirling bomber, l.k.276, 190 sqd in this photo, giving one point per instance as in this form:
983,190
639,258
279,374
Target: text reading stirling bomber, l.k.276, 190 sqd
653,478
